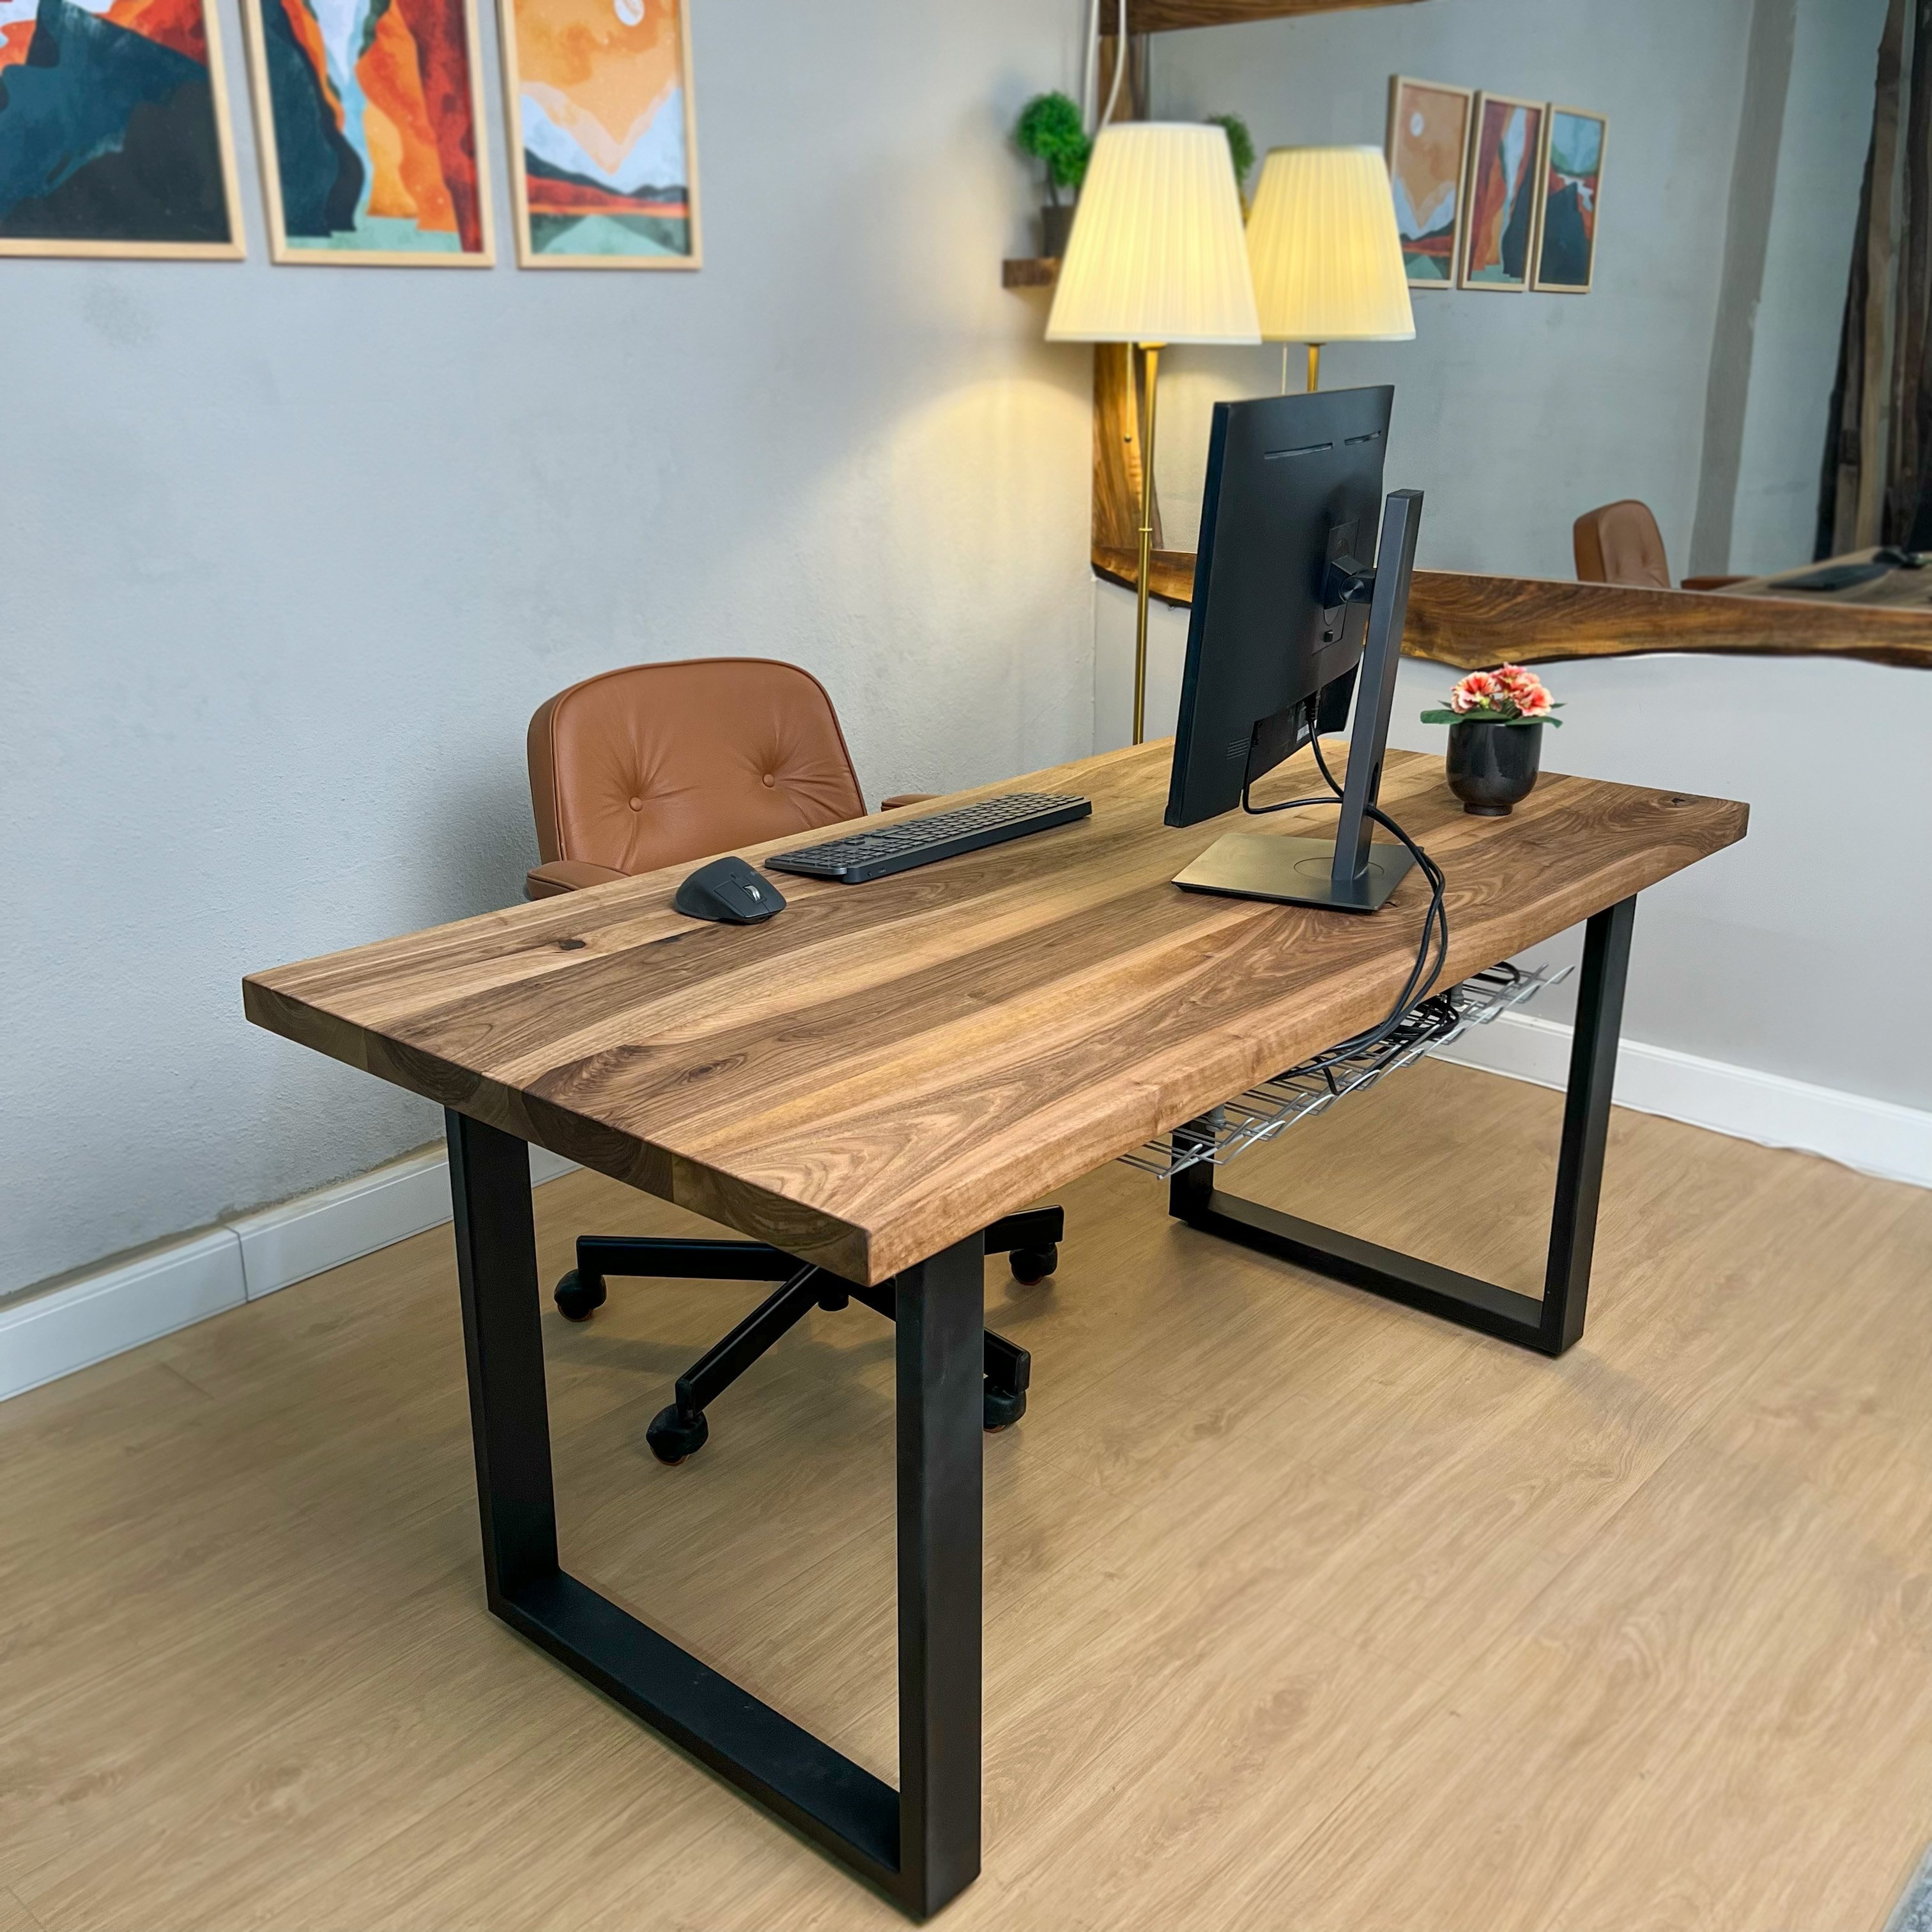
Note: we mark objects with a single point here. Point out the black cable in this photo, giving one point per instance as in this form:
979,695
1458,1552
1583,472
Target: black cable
1434,922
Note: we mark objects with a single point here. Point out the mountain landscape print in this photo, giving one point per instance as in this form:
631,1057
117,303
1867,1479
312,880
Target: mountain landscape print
605,164
1566,257
1428,141
370,113
114,130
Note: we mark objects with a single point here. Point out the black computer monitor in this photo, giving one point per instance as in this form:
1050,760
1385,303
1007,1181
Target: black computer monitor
1287,598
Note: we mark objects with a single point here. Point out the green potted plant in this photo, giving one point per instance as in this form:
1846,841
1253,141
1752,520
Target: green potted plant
1240,150
1050,130
1495,720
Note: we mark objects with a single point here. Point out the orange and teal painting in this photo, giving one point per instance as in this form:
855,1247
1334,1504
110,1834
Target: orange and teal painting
371,116
606,164
113,130
1506,151
1566,248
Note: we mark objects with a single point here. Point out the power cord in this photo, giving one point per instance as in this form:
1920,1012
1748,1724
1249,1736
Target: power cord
1422,977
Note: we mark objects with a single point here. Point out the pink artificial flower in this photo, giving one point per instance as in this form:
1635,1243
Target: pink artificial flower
1515,680
1479,688
1532,704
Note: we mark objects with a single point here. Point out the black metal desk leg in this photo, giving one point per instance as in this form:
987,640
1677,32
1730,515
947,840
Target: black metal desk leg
940,1319
1551,1324
919,1845
496,1275
1586,1126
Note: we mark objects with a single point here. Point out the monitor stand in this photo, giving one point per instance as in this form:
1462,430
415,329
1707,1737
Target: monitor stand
1347,873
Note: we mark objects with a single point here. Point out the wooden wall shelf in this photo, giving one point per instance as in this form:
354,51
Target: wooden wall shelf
1472,621
1030,271
1166,16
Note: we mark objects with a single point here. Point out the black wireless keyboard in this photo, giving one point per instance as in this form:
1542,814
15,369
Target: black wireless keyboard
907,842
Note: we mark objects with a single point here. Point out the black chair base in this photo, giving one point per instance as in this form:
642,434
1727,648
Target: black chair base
1031,1242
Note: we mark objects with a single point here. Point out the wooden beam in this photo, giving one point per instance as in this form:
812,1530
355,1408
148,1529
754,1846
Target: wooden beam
1163,16
1472,621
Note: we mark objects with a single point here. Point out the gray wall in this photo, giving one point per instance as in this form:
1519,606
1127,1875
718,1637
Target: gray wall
291,554
1801,952
1824,130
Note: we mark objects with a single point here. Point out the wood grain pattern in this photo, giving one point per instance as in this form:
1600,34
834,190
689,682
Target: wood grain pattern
1165,16
1304,1613
1472,621
1029,272
884,1070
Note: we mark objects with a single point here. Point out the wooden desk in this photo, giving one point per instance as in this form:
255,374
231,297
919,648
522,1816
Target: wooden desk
871,1079
1899,589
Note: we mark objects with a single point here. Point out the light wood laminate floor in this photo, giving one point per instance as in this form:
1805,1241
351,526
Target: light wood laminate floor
1302,1611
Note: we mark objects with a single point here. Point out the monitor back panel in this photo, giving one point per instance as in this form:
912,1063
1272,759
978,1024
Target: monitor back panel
1294,484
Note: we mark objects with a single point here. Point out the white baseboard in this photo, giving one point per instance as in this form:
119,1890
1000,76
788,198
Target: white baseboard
73,1324
84,1320
1876,1137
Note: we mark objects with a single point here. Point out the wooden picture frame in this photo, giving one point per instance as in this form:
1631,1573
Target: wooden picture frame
1577,229
234,247
1419,170
1500,213
423,162
613,211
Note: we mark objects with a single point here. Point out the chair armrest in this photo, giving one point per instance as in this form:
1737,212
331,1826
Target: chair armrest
567,875
903,798
1711,583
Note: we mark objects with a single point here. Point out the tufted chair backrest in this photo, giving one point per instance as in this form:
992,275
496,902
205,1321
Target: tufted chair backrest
663,763
1620,543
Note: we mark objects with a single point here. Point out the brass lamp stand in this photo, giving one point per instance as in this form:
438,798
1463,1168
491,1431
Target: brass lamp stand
1151,351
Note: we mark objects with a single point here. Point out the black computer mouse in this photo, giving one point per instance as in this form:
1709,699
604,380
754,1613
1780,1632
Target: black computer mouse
730,890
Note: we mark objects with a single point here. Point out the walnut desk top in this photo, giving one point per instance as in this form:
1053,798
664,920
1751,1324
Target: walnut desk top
882,1070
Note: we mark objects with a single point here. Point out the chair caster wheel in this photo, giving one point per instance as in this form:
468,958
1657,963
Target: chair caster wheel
1002,1410
672,1435
1031,1266
578,1295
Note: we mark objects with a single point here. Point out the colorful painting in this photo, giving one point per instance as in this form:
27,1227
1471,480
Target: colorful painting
371,115
1573,177
1428,147
1505,153
114,130
605,167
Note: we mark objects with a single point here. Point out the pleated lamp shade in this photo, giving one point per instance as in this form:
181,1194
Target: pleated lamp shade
1157,254
1322,240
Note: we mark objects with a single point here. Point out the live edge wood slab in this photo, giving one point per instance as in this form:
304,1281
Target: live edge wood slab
882,1070
1470,621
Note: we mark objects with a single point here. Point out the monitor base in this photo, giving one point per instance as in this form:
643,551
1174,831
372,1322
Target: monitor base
1294,872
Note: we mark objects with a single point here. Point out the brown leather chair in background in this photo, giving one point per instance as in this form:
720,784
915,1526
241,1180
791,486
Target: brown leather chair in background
1620,543
666,763
660,763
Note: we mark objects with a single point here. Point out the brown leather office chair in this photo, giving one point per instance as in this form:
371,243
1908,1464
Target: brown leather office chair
666,763
1620,543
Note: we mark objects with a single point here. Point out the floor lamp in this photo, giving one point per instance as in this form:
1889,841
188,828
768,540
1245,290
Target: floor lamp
1156,256
1326,257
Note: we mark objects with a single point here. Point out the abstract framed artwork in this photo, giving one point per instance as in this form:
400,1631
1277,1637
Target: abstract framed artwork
603,142
1505,157
114,135
1572,185
1428,151
370,115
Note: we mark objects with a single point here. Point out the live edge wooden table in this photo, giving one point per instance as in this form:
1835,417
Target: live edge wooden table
870,1079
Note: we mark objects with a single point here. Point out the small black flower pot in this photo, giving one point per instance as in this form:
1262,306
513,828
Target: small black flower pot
1493,765
1056,224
